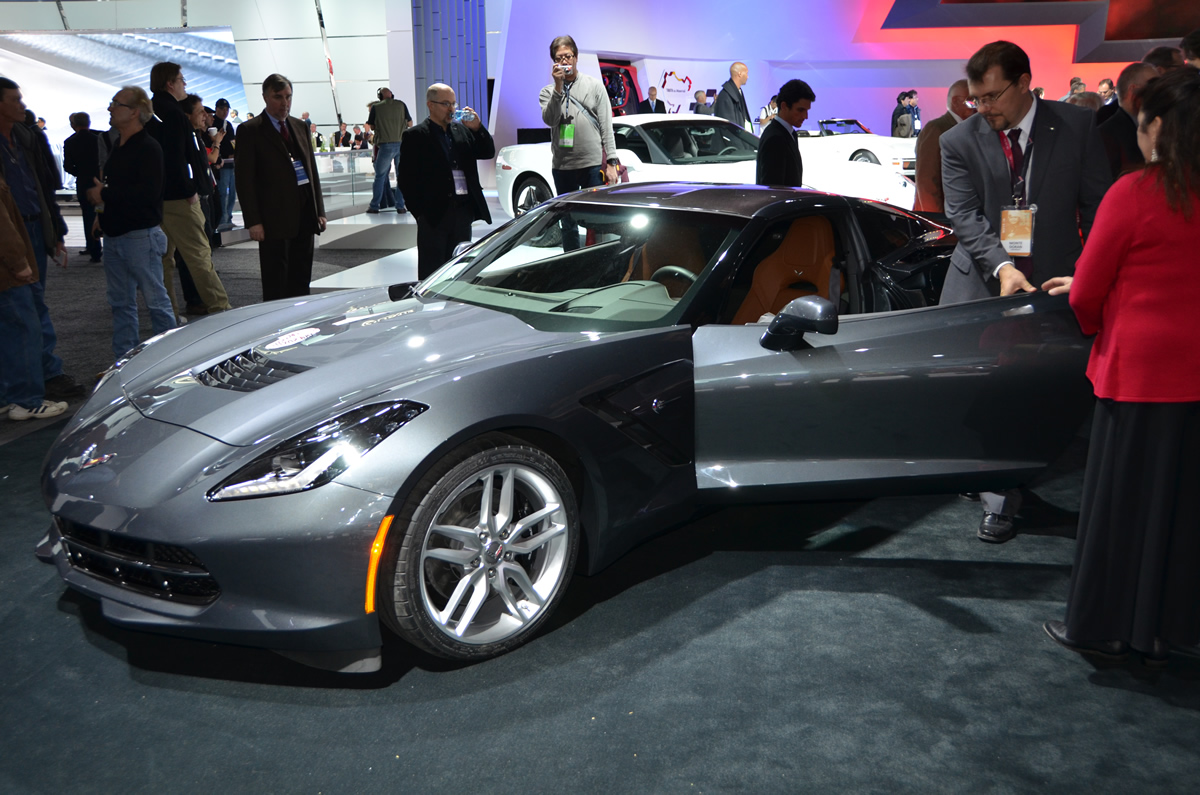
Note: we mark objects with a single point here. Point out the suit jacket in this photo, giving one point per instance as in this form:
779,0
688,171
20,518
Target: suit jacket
1119,134
263,171
929,165
1068,178
731,104
658,107
426,177
704,110
81,158
779,161
343,138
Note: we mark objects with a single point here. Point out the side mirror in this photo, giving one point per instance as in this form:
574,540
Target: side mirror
805,314
628,158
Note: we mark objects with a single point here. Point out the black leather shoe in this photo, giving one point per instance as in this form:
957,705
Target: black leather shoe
372,212
996,528
402,210
64,387
1158,656
1111,650
970,496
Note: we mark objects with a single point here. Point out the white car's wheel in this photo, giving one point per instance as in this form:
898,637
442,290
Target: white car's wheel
484,548
529,193
864,156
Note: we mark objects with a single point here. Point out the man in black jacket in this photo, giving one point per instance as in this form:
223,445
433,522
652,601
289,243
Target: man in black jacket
439,177
731,102
81,159
183,219
652,104
779,161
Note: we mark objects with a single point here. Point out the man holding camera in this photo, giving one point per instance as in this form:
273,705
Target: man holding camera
577,110
389,118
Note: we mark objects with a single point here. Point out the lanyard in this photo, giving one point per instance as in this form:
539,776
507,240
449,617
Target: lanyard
1017,182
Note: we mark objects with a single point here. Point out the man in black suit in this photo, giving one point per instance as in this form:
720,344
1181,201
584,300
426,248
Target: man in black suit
1119,133
731,102
652,104
779,160
81,157
1016,152
440,179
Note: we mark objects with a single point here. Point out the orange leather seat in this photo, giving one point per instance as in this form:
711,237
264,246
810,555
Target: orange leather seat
669,244
802,265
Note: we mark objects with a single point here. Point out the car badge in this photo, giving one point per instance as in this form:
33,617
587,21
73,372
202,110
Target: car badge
89,459
292,338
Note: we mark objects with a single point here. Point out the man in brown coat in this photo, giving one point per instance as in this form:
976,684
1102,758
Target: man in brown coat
929,149
279,191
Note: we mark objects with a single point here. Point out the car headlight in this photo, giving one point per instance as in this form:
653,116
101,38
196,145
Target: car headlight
129,354
318,455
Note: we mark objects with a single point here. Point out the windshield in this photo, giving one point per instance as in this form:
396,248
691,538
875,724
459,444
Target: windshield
842,126
716,141
581,267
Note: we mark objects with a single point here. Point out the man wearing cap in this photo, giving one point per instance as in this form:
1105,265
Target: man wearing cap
226,181
389,119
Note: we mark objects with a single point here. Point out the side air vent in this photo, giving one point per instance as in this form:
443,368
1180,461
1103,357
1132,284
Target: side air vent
248,372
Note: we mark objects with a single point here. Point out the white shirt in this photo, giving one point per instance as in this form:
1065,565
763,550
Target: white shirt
1025,125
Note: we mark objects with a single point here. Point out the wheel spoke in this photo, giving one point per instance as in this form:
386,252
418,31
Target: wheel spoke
509,601
485,504
504,510
478,595
460,590
533,518
521,578
525,546
459,557
466,536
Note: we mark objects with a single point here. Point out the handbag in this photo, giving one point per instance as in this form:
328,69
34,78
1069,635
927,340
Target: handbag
622,171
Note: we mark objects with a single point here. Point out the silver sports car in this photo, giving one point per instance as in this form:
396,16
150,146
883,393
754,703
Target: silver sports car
439,459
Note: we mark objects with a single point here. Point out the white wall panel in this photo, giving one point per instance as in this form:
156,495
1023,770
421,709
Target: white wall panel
29,16
300,60
122,14
354,17
257,19
360,58
354,97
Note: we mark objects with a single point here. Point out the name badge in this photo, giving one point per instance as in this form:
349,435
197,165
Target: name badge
460,182
566,136
301,174
1016,230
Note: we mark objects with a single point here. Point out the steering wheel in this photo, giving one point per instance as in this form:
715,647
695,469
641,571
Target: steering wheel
727,151
673,270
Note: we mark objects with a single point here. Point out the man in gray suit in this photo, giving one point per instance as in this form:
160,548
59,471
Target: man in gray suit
1016,154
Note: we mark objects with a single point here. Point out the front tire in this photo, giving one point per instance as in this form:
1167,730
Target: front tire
864,156
529,193
488,542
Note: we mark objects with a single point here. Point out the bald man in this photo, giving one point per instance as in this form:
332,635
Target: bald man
929,149
1119,133
731,102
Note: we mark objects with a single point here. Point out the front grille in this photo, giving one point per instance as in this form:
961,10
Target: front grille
165,571
247,372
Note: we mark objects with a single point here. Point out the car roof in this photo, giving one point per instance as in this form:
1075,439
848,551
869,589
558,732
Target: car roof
741,200
647,118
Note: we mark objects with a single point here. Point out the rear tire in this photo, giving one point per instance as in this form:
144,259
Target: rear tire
529,193
482,551
864,156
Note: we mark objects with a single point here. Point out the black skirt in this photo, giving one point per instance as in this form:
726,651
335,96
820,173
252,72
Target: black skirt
1137,556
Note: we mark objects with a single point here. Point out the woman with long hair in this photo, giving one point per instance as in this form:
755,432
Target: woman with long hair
1136,579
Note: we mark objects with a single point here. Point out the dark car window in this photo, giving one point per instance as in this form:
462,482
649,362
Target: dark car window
690,141
887,230
629,138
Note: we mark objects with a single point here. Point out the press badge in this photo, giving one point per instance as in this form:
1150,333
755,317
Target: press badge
301,174
566,136
1016,230
460,182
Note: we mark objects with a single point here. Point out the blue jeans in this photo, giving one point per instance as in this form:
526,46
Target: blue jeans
132,262
389,155
20,349
567,180
51,364
227,191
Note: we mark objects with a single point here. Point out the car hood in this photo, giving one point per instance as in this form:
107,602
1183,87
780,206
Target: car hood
253,381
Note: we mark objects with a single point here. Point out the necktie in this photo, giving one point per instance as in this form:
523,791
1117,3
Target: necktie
283,130
1018,160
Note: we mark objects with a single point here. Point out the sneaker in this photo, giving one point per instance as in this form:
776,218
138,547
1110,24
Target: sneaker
64,387
48,409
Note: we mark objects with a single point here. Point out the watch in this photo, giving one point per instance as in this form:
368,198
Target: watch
612,161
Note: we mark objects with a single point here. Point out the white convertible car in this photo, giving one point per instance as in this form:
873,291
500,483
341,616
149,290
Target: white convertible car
691,148
849,139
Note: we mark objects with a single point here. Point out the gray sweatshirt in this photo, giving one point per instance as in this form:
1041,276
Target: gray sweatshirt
589,142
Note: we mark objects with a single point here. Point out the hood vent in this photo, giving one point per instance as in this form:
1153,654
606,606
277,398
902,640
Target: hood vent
248,372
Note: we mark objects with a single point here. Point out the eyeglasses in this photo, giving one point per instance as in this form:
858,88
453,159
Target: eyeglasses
987,99
122,105
445,103
566,56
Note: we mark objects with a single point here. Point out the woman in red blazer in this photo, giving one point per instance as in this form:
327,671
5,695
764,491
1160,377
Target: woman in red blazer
1136,579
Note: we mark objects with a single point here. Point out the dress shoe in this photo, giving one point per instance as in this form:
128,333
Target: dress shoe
402,210
970,496
1157,657
1112,650
64,387
996,528
372,212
